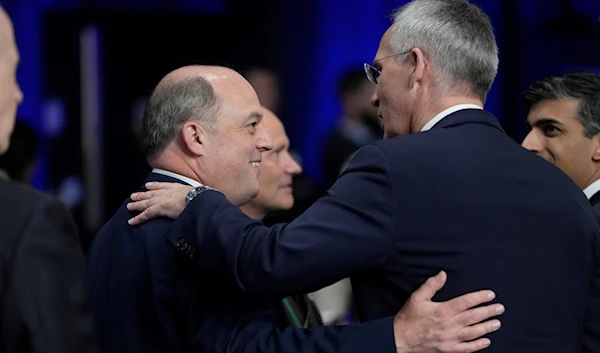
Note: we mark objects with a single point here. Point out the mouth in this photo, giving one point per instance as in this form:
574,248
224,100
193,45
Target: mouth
255,164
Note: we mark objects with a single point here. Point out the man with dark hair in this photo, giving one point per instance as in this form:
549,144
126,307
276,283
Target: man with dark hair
564,123
446,188
357,126
42,303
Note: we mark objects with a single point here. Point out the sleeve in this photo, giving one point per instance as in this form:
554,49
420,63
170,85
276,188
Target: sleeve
258,336
346,232
44,308
240,327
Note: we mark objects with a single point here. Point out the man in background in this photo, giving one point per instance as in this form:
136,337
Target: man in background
42,305
19,161
277,170
358,125
564,123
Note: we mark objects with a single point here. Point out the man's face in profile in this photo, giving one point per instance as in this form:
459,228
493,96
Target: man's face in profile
557,136
10,92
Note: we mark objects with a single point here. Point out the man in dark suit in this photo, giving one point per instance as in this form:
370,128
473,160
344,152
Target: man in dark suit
203,125
446,189
42,302
564,123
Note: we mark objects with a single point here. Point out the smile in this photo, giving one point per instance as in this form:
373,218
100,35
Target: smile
255,164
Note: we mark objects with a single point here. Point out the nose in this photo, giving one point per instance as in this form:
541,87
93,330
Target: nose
375,99
291,166
264,142
18,94
531,142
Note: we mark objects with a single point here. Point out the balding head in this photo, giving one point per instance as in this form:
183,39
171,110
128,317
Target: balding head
188,93
205,122
10,93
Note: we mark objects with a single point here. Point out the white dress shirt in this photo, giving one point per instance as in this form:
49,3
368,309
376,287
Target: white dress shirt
436,119
186,180
592,189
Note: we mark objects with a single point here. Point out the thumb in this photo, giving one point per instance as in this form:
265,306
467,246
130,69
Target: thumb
430,287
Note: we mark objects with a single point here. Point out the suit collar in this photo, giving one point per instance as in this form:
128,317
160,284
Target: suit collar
595,199
467,116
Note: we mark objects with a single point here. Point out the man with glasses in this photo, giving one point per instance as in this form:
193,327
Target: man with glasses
446,189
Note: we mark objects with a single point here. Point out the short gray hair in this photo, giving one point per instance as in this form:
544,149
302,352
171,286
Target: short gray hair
171,105
576,84
457,35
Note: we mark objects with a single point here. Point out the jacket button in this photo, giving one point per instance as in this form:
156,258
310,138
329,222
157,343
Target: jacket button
180,243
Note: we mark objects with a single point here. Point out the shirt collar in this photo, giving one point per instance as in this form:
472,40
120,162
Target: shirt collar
186,180
592,189
436,119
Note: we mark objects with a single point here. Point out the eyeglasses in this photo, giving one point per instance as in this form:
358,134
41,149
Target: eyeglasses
373,73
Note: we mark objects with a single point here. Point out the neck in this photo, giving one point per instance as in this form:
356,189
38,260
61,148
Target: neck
253,211
432,107
175,162
595,176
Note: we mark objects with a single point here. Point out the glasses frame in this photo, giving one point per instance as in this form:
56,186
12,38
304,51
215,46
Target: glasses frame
373,73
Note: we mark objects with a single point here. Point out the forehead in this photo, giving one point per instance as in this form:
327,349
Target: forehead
276,129
384,45
238,100
563,110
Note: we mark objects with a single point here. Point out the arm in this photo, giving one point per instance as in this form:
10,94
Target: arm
43,304
348,231
421,326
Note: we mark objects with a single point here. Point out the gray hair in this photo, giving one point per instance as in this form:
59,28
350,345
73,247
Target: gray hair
581,85
173,104
459,38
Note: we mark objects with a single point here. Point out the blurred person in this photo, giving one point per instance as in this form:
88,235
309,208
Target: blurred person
446,189
358,126
20,159
42,301
266,85
564,123
203,126
277,169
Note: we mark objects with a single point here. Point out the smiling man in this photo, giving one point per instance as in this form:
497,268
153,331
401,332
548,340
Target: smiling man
564,123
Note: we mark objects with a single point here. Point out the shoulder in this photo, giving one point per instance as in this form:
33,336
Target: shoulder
23,206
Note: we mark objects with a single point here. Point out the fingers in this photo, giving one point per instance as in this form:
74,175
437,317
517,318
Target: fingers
474,346
430,287
155,185
139,206
467,301
476,331
141,218
477,315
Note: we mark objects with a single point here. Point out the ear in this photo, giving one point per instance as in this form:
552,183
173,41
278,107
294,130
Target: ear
596,151
194,138
420,64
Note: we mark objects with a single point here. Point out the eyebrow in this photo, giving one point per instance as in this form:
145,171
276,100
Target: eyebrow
254,115
546,121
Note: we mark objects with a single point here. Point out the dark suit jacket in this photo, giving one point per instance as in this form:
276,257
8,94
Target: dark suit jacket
42,302
463,197
592,325
148,298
